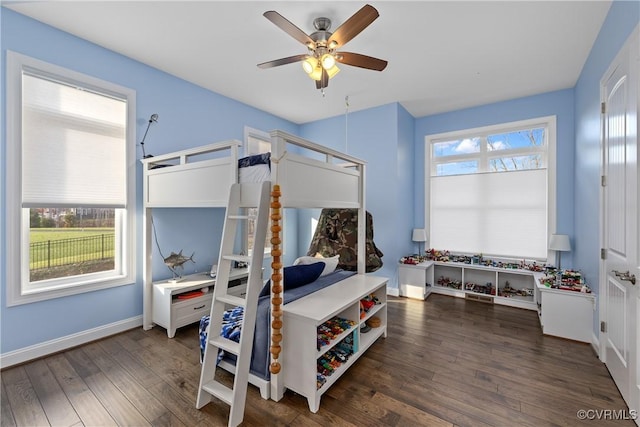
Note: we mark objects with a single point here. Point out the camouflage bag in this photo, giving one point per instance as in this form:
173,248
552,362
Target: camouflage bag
337,234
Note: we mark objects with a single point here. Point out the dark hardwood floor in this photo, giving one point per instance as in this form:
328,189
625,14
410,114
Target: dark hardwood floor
445,362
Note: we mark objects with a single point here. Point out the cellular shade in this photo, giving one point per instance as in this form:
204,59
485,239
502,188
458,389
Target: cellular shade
502,214
73,146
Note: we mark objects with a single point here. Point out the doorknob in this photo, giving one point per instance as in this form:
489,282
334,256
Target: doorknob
625,276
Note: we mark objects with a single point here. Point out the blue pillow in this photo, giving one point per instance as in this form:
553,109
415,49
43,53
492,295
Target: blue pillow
296,276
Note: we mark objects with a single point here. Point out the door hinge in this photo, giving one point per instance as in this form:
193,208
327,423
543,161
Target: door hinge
603,180
603,253
603,107
603,326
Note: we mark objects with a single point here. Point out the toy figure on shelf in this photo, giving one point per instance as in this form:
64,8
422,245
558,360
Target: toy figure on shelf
449,283
566,280
435,255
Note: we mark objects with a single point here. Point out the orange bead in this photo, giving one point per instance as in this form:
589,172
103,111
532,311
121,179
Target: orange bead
274,368
276,324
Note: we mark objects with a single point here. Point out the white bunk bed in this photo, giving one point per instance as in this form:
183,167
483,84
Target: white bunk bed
309,175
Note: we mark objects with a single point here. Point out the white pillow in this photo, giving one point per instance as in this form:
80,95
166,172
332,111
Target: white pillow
330,264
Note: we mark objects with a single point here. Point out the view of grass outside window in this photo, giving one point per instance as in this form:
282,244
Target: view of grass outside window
69,242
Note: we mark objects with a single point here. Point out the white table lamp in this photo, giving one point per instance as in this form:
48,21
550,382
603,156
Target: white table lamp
559,243
419,235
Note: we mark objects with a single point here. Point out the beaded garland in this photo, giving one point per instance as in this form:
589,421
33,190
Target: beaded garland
276,279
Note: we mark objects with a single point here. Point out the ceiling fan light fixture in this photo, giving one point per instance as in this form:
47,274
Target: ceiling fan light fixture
328,61
309,64
333,71
316,74
332,44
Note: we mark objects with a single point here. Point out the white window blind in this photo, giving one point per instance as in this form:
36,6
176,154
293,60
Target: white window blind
492,213
73,146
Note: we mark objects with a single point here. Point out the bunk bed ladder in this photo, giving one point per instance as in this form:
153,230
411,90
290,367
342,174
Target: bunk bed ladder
240,196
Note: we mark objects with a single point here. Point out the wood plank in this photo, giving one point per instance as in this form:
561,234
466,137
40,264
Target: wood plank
22,397
55,403
142,374
185,410
410,415
150,407
6,414
85,403
119,407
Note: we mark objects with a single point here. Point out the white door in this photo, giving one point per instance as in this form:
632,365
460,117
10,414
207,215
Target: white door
620,268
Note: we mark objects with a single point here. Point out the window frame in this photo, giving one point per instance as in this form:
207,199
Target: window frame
547,122
19,289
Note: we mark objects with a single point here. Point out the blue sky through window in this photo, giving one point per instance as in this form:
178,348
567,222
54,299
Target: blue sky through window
505,151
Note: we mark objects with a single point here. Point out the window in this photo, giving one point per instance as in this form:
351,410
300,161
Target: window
491,190
71,166
256,142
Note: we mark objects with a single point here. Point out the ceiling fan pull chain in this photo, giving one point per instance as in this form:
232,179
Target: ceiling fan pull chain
346,124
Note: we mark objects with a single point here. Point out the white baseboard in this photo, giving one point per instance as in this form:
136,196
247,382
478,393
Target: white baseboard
59,344
395,292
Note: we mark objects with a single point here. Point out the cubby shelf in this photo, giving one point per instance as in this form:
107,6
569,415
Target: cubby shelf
302,318
562,313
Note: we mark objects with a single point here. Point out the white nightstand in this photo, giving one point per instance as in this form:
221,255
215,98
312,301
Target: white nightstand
172,311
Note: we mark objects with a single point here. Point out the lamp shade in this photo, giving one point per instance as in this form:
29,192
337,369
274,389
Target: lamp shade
419,235
559,242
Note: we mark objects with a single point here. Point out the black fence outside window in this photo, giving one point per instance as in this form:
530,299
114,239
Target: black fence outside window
55,253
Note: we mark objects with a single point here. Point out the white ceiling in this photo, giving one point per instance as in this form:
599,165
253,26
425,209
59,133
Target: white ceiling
443,56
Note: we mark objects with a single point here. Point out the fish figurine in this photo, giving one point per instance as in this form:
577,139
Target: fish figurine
176,260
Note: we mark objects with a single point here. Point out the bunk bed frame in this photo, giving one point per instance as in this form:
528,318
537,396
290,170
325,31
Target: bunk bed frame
310,176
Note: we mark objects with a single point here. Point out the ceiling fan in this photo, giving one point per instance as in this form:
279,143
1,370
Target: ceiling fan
320,60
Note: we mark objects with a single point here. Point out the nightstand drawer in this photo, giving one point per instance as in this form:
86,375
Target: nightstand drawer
192,310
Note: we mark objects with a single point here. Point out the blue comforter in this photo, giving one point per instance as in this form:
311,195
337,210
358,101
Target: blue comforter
232,324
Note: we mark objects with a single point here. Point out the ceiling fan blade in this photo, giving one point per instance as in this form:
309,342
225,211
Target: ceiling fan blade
362,61
288,27
283,61
354,25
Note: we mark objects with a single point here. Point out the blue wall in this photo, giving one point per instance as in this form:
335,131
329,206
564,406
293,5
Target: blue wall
189,116
559,104
373,135
623,17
